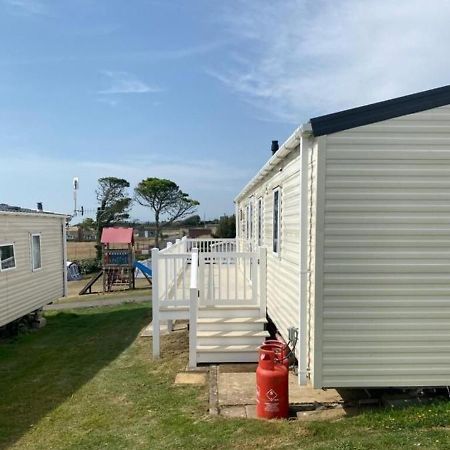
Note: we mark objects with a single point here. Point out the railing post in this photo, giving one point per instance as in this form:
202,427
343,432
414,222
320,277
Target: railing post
176,268
201,280
254,277
262,280
193,310
155,304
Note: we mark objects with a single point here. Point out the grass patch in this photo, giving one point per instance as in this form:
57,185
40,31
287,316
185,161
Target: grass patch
87,382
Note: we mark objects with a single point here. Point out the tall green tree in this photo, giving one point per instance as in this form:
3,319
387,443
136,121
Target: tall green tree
114,205
167,201
226,227
88,225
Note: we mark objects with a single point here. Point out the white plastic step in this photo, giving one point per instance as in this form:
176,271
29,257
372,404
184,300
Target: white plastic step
227,353
225,338
231,324
227,311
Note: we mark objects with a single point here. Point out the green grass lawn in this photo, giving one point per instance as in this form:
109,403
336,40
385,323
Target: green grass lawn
86,381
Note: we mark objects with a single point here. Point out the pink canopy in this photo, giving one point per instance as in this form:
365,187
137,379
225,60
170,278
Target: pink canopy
117,235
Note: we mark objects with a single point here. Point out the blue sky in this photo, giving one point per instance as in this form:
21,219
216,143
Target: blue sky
191,90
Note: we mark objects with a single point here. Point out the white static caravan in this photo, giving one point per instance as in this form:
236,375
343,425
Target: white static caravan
354,210
32,261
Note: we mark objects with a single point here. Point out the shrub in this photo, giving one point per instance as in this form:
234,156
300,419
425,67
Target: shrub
88,266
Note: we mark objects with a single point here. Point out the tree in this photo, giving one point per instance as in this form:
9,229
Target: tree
114,204
86,228
226,227
167,201
88,224
192,221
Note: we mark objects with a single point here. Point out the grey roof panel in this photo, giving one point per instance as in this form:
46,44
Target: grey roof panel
377,112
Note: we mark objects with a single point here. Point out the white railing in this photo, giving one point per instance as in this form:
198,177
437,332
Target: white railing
173,282
180,246
170,284
225,277
232,278
171,274
193,310
211,245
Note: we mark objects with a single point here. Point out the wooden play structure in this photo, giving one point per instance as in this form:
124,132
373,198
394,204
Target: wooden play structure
118,262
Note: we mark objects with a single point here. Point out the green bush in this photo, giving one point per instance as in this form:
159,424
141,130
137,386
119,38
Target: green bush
227,227
88,266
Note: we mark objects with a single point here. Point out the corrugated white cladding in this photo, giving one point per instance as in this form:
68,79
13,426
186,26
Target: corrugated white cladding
386,254
23,290
282,268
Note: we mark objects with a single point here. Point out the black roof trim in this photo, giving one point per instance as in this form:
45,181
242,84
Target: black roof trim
377,112
4,207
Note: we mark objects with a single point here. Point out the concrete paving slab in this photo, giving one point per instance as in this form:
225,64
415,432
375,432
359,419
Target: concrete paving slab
325,414
234,411
240,389
213,391
190,378
235,368
236,388
250,410
307,394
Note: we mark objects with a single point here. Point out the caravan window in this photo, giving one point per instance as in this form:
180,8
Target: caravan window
36,262
276,220
260,219
247,216
242,222
7,257
250,208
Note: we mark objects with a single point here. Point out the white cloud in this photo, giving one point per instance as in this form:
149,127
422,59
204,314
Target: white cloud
126,83
27,7
304,57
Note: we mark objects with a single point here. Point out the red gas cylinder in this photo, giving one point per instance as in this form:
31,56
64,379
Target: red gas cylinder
272,385
281,351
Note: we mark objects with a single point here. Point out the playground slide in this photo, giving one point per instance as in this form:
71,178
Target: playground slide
144,269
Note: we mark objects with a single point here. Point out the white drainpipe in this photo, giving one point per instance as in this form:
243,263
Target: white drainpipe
304,237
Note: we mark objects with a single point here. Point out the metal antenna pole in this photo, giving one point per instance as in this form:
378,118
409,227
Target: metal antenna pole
76,184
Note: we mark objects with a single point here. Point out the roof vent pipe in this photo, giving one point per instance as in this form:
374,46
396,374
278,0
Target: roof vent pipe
40,207
274,147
